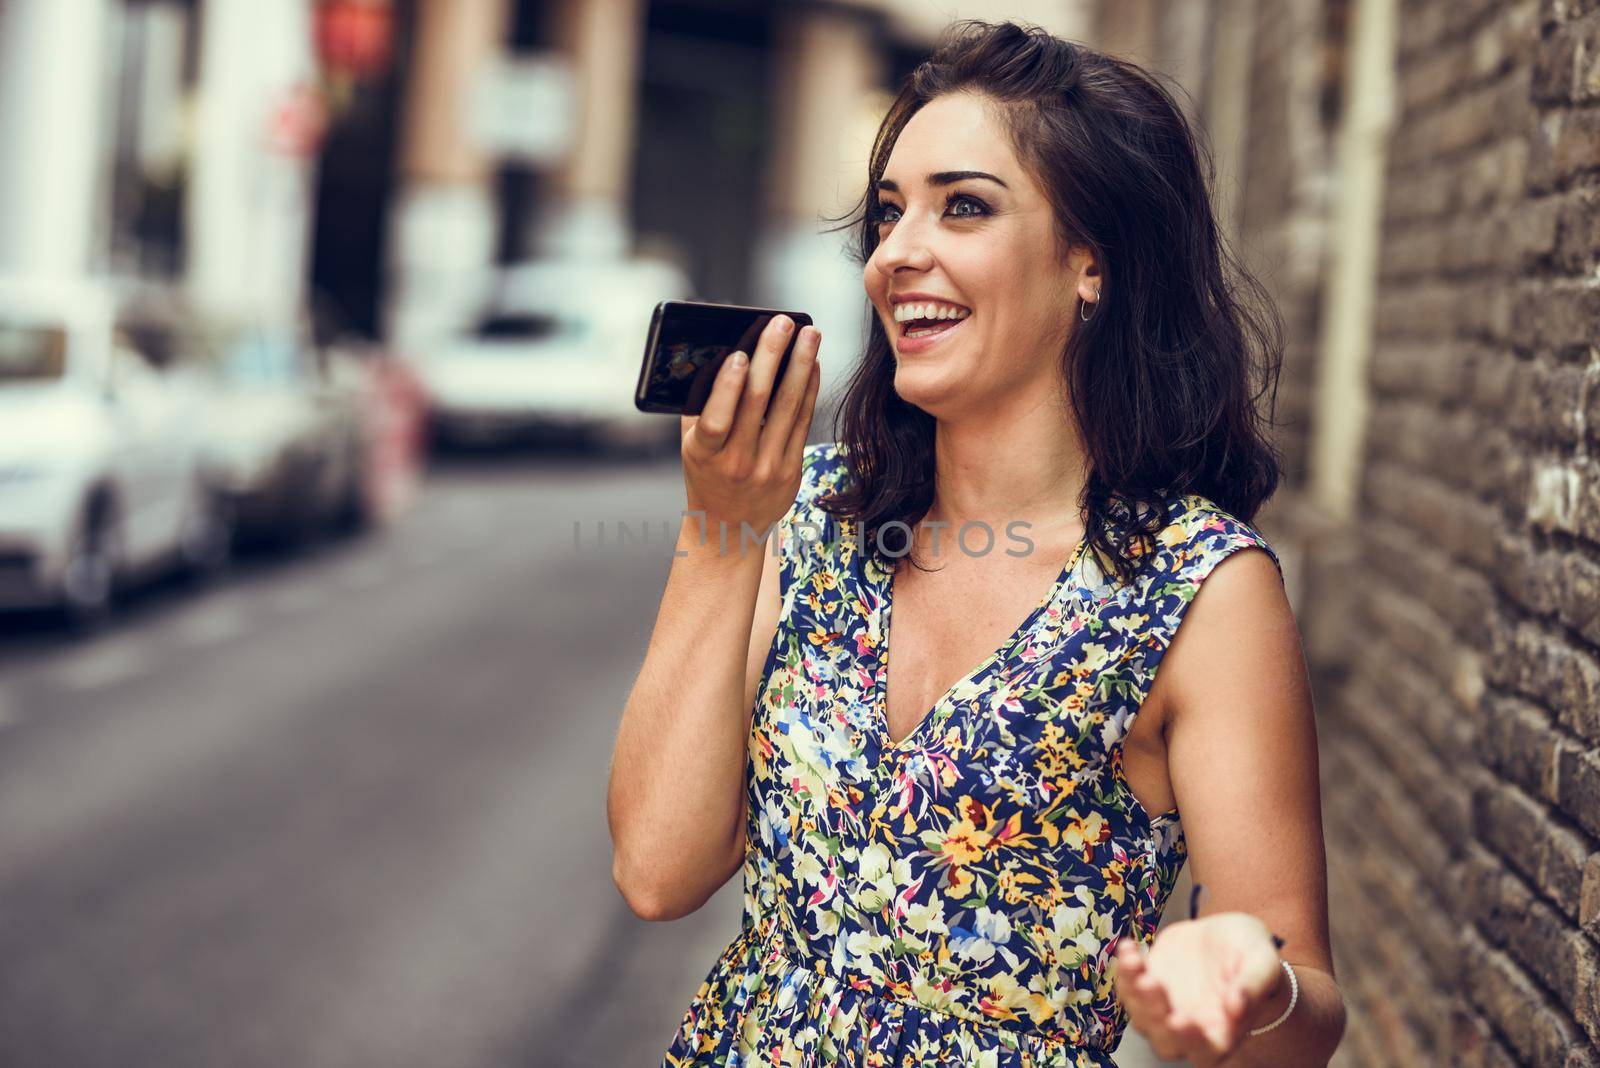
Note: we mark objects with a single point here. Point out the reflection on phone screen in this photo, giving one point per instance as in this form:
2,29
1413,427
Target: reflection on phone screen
685,377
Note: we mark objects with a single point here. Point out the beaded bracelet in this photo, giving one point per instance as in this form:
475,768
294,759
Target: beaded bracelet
1294,996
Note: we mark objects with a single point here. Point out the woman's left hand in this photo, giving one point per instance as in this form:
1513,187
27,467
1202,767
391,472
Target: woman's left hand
1201,980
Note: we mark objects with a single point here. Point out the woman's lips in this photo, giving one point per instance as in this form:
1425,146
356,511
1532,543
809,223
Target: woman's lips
907,344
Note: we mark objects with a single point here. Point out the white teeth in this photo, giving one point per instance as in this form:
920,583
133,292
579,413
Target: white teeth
905,312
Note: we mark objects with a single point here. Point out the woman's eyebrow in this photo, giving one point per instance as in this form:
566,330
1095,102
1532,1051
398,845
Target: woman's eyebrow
943,178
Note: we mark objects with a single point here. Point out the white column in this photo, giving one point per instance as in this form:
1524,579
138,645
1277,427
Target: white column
1228,106
52,126
828,104
1340,393
445,217
249,204
588,215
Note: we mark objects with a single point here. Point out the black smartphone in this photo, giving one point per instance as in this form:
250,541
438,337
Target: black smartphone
687,342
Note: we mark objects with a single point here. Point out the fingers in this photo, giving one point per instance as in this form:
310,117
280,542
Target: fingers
1149,1008
1143,993
1211,1027
1233,997
1173,1032
1214,1032
1232,989
746,433
795,453
1200,1042
791,394
708,432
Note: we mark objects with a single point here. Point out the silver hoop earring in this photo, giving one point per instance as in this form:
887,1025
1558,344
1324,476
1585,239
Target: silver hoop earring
1082,304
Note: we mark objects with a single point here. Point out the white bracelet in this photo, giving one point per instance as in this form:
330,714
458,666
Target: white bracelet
1294,996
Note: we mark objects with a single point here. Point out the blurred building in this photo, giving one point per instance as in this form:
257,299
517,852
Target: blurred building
374,160
173,141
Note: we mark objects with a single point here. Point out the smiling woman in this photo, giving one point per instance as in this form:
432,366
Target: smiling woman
960,853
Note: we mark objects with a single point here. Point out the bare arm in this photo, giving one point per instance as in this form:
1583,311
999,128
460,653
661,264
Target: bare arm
676,798
1242,753
683,736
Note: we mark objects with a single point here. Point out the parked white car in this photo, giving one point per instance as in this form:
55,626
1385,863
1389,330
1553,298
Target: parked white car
557,346
284,432
101,476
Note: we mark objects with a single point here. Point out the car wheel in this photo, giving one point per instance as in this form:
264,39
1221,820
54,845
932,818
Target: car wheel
298,526
205,546
303,510
94,563
353,513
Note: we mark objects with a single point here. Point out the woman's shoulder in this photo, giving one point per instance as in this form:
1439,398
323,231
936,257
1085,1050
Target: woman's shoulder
824,455
823,469
809,533
1200,534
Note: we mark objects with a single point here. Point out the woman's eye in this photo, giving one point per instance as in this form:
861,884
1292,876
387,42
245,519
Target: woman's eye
882,215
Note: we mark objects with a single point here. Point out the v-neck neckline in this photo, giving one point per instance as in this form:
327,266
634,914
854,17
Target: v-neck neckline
939,711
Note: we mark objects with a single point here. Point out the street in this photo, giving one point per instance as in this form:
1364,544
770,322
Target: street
347,809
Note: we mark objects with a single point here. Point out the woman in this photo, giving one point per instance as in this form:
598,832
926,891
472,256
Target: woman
955,864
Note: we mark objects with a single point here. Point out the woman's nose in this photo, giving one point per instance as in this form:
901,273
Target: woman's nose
903,247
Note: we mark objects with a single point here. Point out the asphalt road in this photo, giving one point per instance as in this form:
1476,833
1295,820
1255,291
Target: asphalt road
347,808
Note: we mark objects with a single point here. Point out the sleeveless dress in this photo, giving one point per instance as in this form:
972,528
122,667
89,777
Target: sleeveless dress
955,898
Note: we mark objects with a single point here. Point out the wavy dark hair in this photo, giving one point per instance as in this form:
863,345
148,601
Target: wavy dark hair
1165,375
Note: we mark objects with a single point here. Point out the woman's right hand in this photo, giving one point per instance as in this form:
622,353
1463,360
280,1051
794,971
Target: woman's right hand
737,468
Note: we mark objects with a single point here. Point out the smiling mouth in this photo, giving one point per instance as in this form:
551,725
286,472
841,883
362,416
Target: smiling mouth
920,328
927,327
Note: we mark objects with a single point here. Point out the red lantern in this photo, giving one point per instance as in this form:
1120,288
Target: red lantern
354,37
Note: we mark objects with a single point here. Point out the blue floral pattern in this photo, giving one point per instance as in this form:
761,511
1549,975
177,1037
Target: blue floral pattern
954,898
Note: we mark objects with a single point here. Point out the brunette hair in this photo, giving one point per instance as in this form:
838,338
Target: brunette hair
1163,376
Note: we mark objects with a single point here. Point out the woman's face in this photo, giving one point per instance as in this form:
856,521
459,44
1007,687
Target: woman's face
986,245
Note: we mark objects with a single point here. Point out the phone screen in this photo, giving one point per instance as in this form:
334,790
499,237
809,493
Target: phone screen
689,342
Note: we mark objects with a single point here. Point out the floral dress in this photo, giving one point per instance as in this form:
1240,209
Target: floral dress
954,898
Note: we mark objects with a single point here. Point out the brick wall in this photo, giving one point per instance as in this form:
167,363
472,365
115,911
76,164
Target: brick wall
1452,625
1453,628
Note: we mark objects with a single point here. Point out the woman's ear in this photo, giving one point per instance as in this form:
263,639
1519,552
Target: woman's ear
1085,272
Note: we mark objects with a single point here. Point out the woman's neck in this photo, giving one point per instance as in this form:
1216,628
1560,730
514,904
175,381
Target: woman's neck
1031,470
